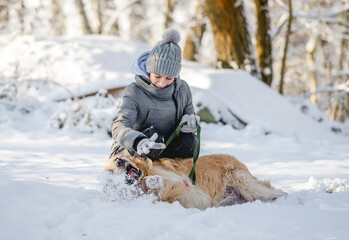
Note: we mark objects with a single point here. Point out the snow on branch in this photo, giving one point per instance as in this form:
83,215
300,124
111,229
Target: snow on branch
344,87
275,31
17,82
316,15
115,16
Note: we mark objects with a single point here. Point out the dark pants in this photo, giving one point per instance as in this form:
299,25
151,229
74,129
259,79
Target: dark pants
181,147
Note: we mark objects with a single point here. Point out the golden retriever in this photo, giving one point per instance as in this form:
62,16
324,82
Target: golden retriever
221,180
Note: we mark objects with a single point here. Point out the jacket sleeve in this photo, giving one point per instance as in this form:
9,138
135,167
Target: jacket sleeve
188,105
123,126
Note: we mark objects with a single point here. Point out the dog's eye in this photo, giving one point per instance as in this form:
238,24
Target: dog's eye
120,162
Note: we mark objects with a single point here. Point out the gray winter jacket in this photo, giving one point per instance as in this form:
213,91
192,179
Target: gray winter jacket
145,105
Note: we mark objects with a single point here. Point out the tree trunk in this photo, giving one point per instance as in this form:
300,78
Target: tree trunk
327,56
58,18
98,7
231,36
84,19
343,67
344,43
21,16
114,27
111,25
344,109
195,33
287,39
170,5
310,48
263,41
136,16
4,15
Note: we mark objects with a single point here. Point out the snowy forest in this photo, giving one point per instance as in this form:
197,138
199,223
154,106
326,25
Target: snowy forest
269,80
298,48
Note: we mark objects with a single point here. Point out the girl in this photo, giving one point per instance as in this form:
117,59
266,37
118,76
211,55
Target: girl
155,104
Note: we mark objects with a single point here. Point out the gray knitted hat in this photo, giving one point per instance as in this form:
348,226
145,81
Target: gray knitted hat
166,56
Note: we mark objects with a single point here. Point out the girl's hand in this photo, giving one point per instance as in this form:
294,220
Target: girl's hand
191,120
145,145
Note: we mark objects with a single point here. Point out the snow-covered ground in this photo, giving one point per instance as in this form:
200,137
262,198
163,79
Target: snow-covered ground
51,179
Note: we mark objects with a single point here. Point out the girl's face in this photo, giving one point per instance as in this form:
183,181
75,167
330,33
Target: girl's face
160,80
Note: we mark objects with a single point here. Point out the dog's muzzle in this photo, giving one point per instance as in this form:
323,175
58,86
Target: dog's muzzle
132,174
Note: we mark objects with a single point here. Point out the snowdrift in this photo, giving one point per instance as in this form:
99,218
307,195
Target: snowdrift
253,101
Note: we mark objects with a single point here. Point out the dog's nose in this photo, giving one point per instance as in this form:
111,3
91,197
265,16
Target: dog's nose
120,162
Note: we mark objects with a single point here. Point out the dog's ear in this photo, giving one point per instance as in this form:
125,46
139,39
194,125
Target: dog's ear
149,163
146,164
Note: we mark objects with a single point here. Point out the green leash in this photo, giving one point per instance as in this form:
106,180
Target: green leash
196,150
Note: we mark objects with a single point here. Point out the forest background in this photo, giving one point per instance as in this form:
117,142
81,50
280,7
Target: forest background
298,48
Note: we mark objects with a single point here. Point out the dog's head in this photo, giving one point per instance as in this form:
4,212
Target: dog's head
133,168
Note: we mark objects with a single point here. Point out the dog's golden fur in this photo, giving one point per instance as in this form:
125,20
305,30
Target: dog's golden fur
220,180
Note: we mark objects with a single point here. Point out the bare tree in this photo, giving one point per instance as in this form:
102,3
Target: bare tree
287,39
231,36
4,14
170,6
111,24
195,33
105,23
344,43
136,16
341,107
263,41
58,18
98,8
21,11
84,19
310,48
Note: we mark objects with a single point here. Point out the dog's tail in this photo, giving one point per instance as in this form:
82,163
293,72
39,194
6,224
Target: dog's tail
253,189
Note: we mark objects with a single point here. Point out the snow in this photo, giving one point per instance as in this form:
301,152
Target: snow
255,103
83,65
51,180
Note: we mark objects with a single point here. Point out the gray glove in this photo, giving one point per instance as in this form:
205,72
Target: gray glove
145,145
191,120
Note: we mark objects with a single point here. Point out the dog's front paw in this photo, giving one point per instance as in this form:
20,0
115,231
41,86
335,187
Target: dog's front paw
154,182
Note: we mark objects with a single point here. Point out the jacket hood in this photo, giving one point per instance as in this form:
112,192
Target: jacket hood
138,67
